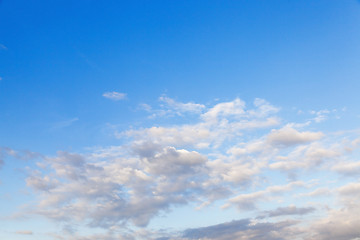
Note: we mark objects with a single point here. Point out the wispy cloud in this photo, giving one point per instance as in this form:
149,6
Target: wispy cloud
3,47
116,96
65,123
24,232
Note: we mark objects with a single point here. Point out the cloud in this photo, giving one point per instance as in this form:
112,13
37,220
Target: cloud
216,125
6,152
172,161
180,107
228,154
348,168
307,156
3,47
64,124
248,201
104,193
290,210
233,108
242,229
320,116
288,136
116,96
317,193
342,223
24,232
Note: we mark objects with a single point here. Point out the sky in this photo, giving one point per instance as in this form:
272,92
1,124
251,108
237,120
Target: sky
179,120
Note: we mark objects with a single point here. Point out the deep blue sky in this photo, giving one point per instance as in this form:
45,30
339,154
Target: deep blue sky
62,55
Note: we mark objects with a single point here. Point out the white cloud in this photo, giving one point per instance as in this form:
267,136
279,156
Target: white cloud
248,201
116,96
226,153
348,168
234,108
180,107
320,116
307,156
220,123
317,193
288,136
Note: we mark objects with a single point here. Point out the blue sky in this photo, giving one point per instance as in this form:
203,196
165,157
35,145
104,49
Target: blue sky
179,119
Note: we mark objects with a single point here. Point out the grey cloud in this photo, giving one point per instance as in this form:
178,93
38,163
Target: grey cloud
41,183
6,152
290,210
340,224
105,193
241,229
173,161
18,154
146,149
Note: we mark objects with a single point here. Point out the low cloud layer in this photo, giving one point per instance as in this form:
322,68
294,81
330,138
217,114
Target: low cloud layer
230,155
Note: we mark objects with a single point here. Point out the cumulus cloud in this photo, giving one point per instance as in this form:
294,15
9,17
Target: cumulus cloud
116,96
288,136
306,157
233,108
228,153
217,124
104,193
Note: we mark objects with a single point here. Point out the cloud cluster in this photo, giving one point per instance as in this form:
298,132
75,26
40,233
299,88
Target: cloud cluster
229,152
